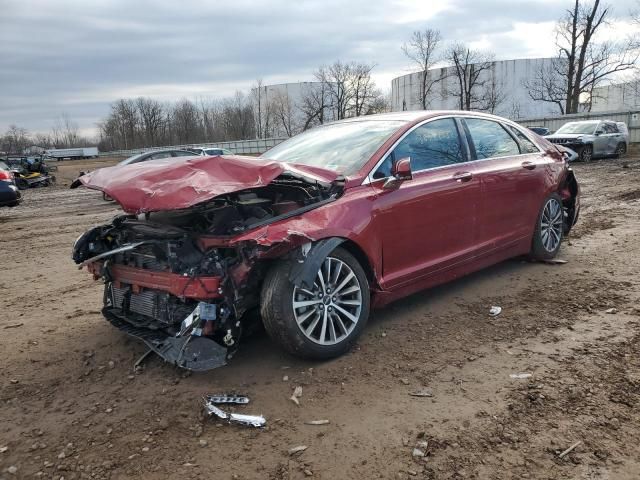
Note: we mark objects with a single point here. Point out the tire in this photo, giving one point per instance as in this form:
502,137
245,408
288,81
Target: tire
281,319
546,246
586,154
621,150
22,184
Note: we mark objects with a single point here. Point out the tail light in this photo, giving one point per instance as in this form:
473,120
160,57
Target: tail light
6,176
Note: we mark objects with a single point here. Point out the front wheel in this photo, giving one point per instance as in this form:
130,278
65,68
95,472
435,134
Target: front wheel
323,321
586,154
547,236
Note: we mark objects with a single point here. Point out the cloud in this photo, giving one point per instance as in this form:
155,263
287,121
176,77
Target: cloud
77,57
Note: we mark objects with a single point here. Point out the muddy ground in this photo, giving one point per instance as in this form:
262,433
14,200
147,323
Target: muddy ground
72,407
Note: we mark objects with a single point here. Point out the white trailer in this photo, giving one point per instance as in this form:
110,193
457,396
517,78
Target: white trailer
81,152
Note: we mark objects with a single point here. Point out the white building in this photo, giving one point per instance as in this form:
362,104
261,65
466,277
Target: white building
282,109
506,77
617,97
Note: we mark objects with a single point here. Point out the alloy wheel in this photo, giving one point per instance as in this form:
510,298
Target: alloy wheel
328,312
587,154
551,225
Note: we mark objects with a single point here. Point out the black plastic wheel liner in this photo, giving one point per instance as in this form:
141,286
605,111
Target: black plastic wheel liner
189,352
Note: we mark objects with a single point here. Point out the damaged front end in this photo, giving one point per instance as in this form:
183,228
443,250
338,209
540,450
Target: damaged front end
187,281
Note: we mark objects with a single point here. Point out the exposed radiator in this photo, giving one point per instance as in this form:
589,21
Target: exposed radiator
157,305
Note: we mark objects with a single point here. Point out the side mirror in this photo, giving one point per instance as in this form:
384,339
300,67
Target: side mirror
598,133
400,172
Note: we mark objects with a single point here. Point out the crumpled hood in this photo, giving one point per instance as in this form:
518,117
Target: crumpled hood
175,183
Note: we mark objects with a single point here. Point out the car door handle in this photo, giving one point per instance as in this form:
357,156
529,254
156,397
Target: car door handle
463,177
528,165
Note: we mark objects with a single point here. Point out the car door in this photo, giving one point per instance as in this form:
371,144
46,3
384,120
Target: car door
600,140
613,137
427,223
512,177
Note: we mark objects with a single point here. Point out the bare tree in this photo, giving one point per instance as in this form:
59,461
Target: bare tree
15,140
470,71
422,50
337,78
313,105
262,104
349,88
493,95
152,119
283,110
364,89
582,62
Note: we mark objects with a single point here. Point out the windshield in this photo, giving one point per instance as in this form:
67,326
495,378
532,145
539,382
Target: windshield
341,147
578,127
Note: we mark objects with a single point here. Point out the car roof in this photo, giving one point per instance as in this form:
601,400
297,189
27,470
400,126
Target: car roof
415,116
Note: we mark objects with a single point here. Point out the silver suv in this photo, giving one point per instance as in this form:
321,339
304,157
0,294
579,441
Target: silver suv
591,138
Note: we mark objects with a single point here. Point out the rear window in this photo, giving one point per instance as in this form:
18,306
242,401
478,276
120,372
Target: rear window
526,145
3,166
490,139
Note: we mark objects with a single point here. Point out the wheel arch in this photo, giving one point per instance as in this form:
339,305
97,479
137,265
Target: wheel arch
312,256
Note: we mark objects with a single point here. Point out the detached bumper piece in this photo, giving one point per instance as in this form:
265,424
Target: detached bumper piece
191,352
211,409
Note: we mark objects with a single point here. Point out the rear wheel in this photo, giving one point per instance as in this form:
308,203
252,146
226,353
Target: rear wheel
621,149
22,184
586,154
547,236
324,320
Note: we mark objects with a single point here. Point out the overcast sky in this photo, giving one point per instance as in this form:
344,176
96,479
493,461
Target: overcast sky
78,56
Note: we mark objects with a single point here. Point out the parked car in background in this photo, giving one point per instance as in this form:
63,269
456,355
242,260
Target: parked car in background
9,193
591,139
139,158
326,225
156,155
540,130
213,151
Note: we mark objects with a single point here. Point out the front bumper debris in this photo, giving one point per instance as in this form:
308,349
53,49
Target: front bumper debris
191,352
211,409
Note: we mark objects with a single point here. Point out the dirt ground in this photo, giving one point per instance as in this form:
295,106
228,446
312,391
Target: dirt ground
72,407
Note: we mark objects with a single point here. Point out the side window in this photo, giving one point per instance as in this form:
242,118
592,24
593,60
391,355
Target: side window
526,145
491,139
157,156
431,145
183,154
610,128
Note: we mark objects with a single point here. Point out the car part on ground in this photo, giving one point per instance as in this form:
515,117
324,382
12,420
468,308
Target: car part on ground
207,249
228,398
211,409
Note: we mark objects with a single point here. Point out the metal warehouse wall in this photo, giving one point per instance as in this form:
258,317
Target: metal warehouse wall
631,118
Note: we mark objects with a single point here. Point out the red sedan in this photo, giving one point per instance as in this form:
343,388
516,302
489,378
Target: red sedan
328,224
